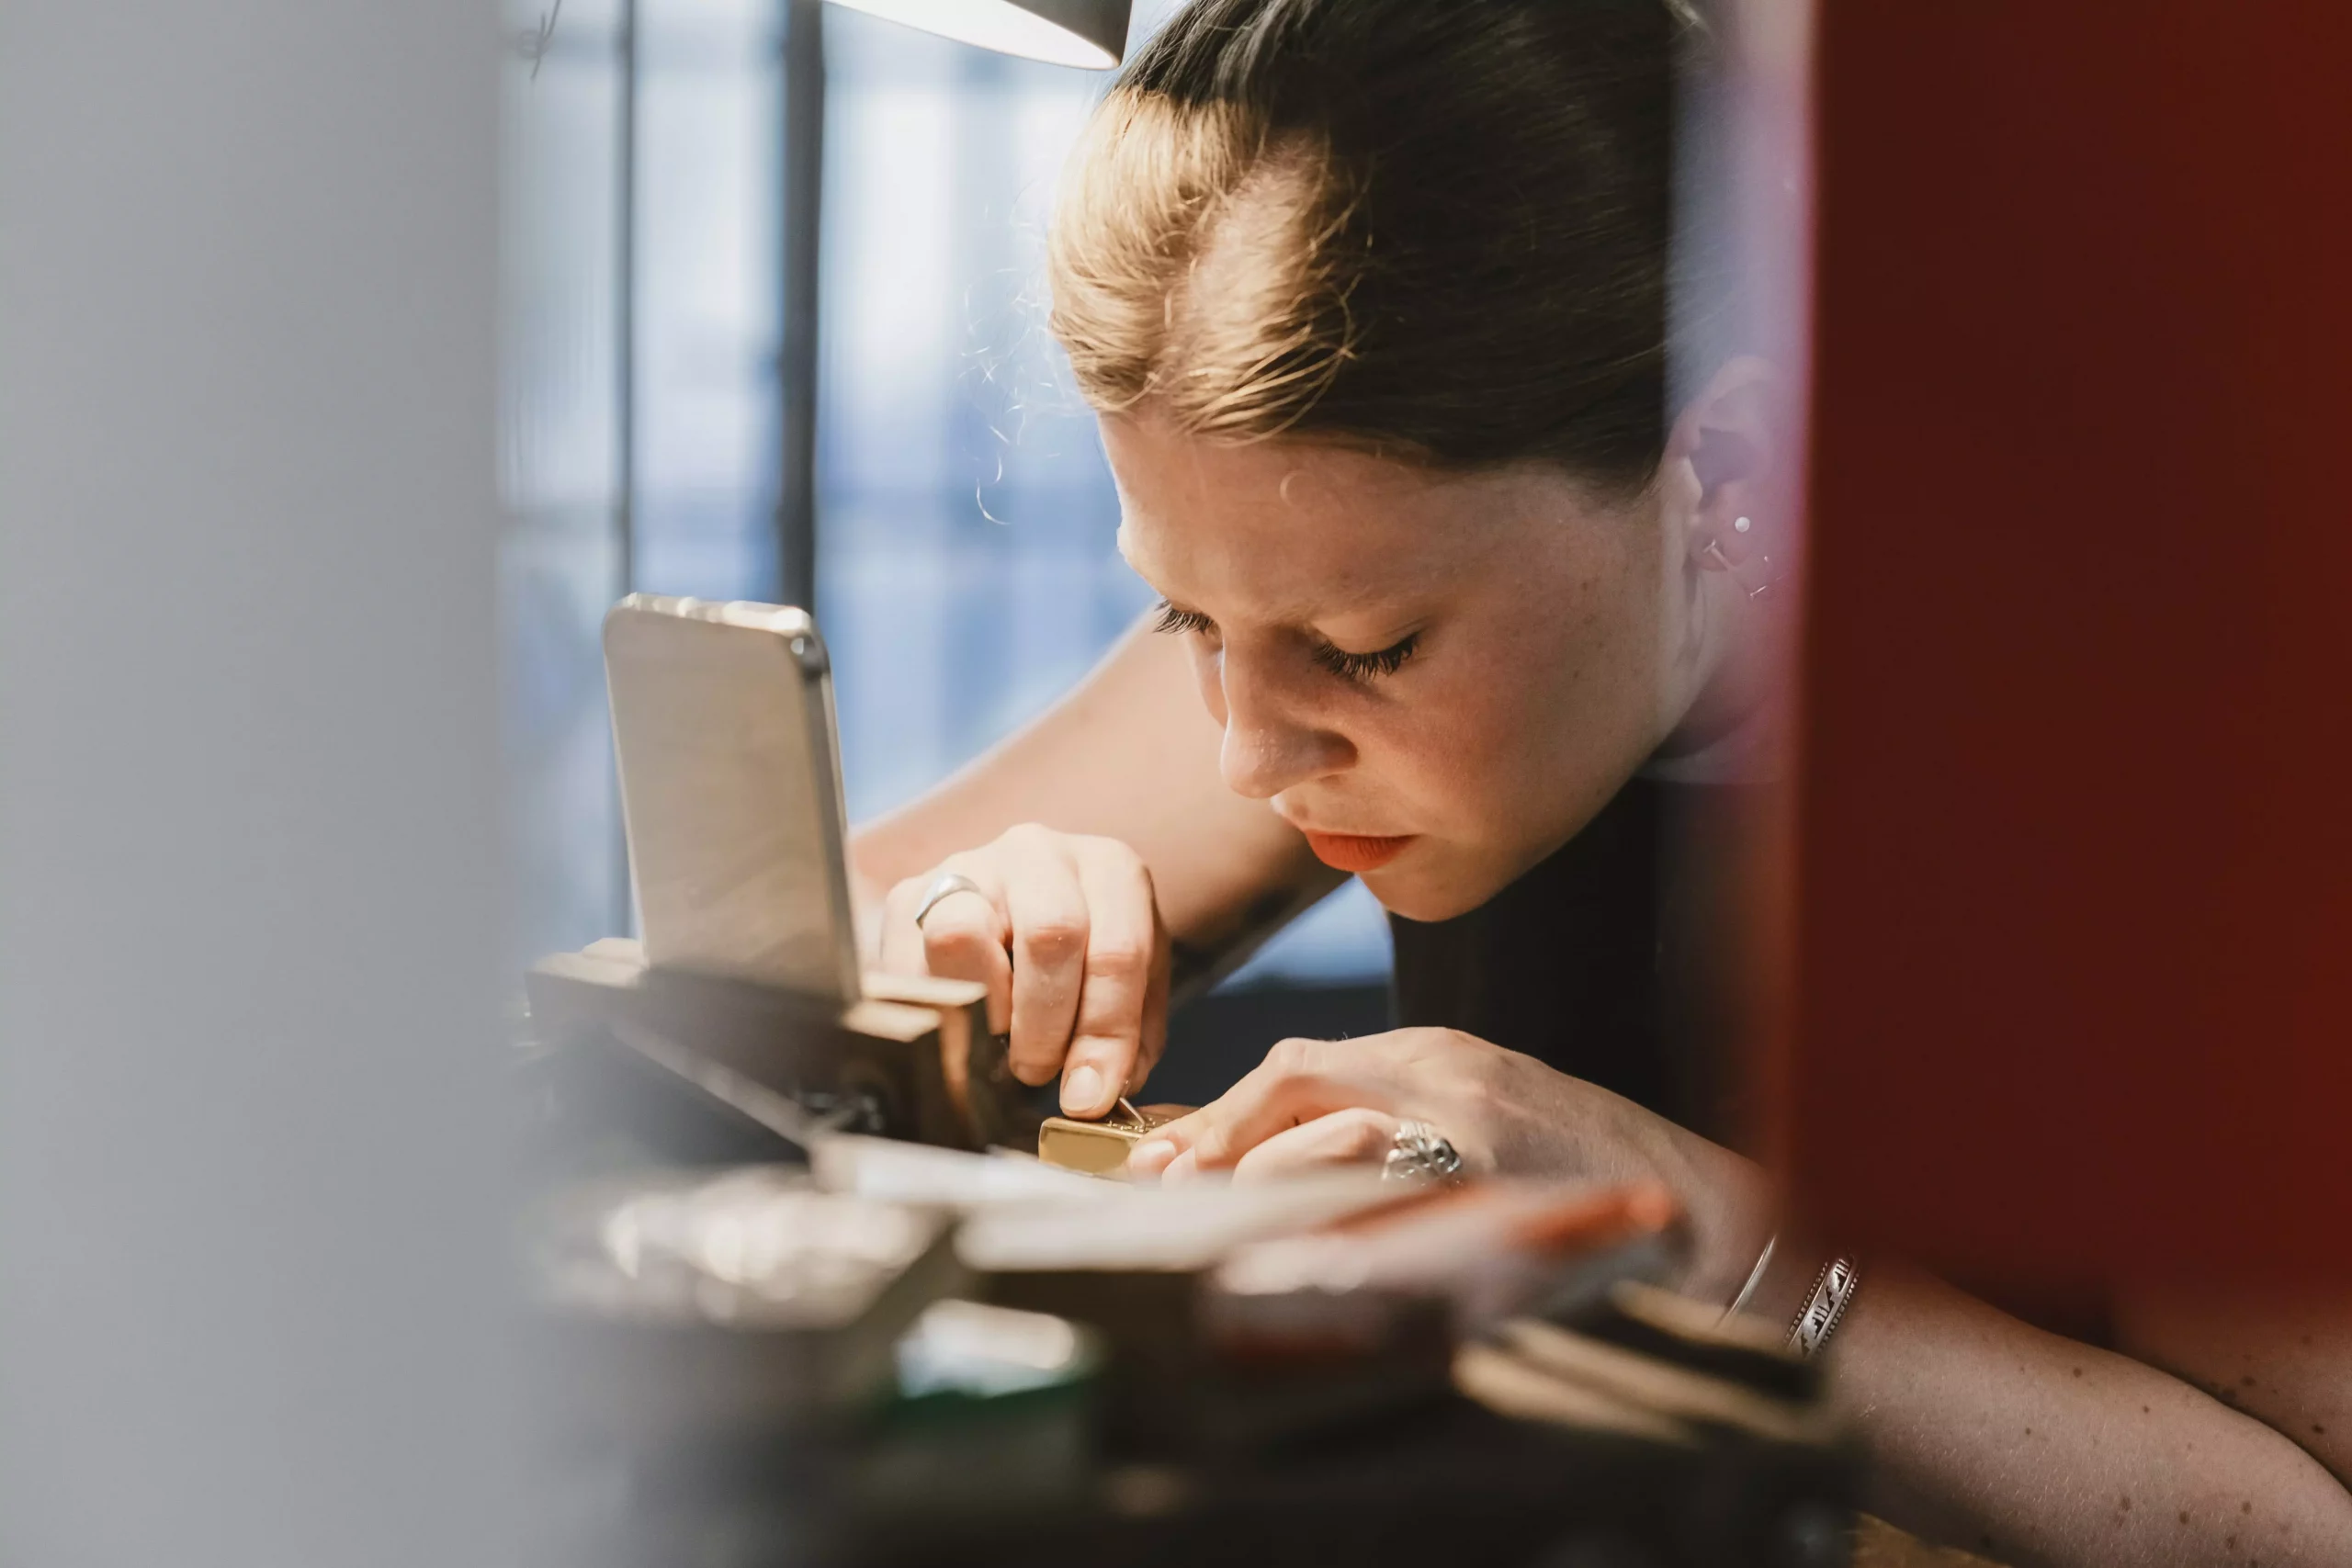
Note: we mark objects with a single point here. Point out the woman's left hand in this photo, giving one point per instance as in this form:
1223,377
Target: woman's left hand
1326,1102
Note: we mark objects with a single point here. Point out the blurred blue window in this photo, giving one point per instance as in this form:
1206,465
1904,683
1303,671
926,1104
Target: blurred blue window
966,569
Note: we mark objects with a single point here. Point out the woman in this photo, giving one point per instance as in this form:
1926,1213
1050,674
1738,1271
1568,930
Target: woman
1467,543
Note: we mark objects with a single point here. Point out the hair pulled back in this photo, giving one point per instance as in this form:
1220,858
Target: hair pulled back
1435,228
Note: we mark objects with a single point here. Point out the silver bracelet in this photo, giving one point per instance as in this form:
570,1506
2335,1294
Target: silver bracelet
1755,1277
1833,1292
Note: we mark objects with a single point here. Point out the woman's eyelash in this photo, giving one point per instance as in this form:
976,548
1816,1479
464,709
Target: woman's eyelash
1347,666
1366,666
1175,622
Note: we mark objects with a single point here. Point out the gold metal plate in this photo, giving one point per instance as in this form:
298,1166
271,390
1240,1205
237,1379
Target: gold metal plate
1099,1149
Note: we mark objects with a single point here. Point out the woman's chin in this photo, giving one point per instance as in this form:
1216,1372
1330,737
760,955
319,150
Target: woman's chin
1424,887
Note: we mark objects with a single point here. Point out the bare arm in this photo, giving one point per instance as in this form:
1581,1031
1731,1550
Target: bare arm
2037,1451
2282,1357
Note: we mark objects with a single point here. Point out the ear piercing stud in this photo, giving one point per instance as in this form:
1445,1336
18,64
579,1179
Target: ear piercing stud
1714,550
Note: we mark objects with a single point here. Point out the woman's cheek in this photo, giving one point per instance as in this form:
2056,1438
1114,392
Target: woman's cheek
1466,745
1449,784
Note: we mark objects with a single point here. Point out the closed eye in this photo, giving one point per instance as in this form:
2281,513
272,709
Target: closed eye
1366,666
1359,667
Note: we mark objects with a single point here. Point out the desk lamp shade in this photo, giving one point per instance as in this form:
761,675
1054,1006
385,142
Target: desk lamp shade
1091,33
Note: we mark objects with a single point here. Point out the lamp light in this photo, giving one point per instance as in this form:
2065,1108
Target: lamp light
1088,33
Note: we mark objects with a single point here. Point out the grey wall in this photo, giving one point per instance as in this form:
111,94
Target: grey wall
249,873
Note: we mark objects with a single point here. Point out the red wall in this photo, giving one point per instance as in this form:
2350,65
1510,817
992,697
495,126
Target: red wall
2074,945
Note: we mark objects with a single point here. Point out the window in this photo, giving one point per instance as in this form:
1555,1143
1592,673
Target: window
966,567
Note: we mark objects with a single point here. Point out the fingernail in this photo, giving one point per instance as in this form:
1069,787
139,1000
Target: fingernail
1082,1092
1180,1169
1149,1156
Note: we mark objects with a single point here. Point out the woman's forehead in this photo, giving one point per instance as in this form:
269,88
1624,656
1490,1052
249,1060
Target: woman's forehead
1290,529
1153,454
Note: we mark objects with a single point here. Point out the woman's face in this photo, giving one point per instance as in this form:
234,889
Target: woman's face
1438,678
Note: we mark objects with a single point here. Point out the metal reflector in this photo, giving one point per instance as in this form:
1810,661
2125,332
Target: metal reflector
1090,33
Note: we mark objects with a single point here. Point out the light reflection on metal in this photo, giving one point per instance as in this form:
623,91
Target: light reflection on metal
1089,34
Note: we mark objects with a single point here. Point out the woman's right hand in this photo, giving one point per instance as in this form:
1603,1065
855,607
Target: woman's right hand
1065,933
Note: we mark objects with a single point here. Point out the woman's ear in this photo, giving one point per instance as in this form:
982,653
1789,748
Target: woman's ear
1718,465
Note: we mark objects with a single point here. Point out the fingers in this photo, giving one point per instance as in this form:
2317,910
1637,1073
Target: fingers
1154,1042
1152,1156
1299,1081
963,937
1065,934
1357,1136
1114,997
1050,927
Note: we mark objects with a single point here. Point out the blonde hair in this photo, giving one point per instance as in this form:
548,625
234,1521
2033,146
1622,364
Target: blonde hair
1437,230
1191,267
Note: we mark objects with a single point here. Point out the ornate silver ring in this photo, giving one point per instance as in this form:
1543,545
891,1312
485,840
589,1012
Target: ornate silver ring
1419,1153
952,883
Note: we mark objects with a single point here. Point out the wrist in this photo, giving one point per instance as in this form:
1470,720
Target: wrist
1745,1249
1807,1283
1733,1211
1788,1279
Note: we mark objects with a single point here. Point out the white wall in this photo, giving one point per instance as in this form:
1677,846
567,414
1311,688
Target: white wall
248,858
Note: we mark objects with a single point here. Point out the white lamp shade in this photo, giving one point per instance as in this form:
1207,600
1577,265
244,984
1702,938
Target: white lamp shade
1091,33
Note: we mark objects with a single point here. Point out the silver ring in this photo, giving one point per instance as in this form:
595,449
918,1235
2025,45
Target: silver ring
952,883
1419,1153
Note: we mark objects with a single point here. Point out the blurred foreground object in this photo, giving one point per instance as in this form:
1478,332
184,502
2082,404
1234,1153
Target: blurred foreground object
684,1305
251,1179
1006,1368
2075,869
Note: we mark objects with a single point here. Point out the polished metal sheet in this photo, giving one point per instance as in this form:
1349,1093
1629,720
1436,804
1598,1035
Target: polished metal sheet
1101,1148
730,786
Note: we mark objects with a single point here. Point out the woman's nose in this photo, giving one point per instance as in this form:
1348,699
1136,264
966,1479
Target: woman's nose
1271,741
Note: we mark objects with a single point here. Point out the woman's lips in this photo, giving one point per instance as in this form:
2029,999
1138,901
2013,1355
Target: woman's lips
1357,851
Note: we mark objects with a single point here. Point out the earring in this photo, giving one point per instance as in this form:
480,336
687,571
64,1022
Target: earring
1741,525
1714,549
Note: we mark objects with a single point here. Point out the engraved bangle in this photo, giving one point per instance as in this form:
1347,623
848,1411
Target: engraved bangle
1833,1292
1755,1277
